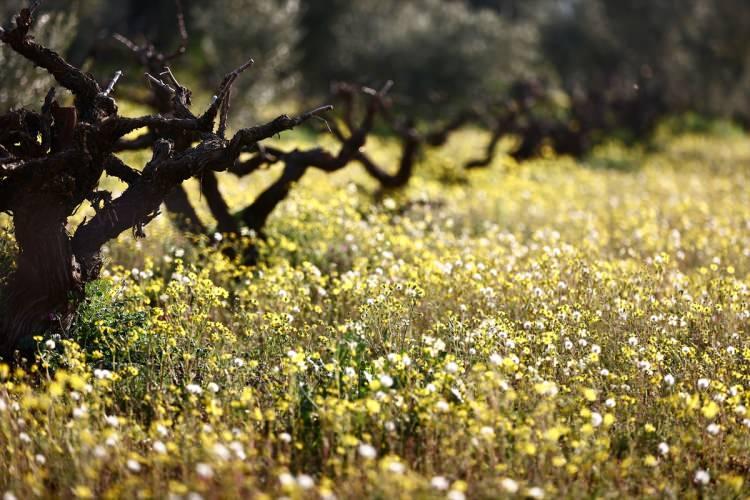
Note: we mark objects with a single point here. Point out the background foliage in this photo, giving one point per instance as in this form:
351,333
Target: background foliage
441,53
20,83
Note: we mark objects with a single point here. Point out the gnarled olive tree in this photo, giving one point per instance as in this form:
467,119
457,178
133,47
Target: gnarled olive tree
51,162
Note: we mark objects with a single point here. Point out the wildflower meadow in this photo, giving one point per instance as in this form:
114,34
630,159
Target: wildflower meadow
554,328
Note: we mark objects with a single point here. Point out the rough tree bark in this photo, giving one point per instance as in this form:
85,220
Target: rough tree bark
156,62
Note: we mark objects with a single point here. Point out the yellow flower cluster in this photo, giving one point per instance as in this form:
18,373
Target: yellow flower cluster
551,329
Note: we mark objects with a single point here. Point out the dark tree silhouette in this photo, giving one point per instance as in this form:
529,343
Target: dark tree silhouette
52,161
155,62
412,140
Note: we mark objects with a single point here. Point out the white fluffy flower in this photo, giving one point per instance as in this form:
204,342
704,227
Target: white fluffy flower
596,419
535,492
102,374
396,467
702,476
439,483
221,451
509,485
367,451
159,447
286,479
487,431
456,495
204,471
305,482
112,440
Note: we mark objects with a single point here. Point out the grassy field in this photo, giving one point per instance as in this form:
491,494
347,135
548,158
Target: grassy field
551,329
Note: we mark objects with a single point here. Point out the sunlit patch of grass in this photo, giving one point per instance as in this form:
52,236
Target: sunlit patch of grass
542,330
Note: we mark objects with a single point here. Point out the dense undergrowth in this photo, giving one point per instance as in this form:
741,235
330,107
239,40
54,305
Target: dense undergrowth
539,330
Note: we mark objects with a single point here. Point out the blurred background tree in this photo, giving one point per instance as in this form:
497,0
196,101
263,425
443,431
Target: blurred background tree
229,32
695,52
440,54
22,85
687,55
